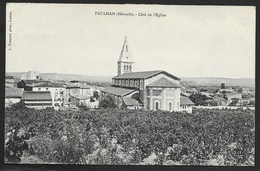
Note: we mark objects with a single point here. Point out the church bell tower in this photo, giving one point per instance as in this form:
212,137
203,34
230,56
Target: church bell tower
125,61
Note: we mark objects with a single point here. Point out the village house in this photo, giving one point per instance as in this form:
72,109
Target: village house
83,100
231,96
37,99
151,90
9,81
56,90
190,91
246,90
12,96
221,101
186,104
248,101
227,90
78,100
30,75
28,85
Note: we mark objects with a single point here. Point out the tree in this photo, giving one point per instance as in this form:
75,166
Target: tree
234,101
240,90
95,94
108,102
198,99
224,95
92,99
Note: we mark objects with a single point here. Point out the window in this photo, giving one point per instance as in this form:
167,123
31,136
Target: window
157,105
130,67
141,84
39,89
170,106
126,82
127,67
124,67
126,48
131,83
116,82
123,82
119,82
47,89
136,84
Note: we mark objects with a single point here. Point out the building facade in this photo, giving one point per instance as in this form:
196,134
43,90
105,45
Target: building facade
30,75
56,90
12,96
9,81
37,99
150,90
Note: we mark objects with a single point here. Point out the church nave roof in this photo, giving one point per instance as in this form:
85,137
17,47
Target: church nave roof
144,75
119,91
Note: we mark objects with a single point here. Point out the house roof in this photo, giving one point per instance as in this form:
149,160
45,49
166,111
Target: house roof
13,92
129,101
143,75
9,77
36,82
84,87
48,84
80,97
36,96
185,101
219,98
119,91
191,90
163,82
70,85
234,93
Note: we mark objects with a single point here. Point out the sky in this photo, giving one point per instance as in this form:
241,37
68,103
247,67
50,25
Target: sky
190,41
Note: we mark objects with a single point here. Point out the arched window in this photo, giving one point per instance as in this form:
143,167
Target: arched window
126,48
119,82
123,82
130,67
156,105
170,106
119,68
136,84
116,82
131,83
127,67
124,67
141,84
126,82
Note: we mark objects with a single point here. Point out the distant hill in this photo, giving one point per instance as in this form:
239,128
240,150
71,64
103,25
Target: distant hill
214,81
67,77
195,81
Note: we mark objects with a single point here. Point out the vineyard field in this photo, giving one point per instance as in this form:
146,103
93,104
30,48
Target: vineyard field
130,137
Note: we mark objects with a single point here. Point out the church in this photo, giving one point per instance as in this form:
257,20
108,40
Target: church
150,90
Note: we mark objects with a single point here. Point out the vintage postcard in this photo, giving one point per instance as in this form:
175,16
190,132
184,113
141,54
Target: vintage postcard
95,84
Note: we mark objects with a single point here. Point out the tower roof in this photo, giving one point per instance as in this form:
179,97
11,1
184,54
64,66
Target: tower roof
125,55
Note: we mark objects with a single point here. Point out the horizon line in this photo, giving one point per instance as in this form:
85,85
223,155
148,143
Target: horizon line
113,76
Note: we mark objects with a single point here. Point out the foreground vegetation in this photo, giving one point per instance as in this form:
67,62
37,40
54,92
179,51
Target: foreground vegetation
116,136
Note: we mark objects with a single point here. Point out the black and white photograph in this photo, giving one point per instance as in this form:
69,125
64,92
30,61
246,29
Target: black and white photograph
130,84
